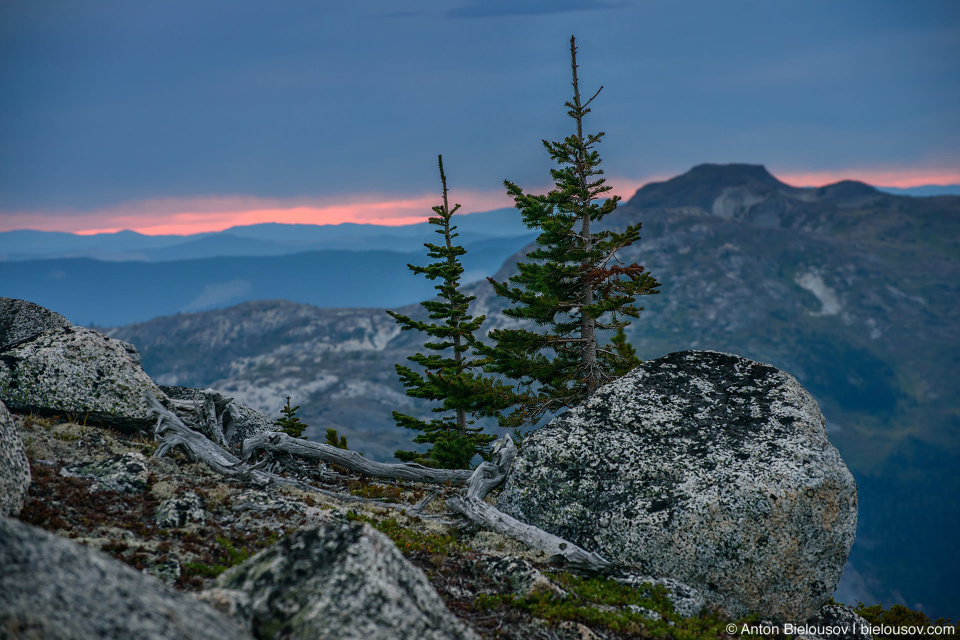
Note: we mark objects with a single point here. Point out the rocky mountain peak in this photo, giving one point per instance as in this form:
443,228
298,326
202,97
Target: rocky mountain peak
751,194
846,191
702,185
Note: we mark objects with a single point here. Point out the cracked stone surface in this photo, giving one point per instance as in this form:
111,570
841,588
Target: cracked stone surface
703,467
79,371
56,588
14,466
21,320
341,580
126,473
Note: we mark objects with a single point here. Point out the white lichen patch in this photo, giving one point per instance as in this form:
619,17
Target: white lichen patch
77,371
701,466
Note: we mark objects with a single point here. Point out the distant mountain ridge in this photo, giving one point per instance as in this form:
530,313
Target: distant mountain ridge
265,239
127,277
853,291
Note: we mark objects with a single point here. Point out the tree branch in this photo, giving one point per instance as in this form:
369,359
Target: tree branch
281,442
172,433
489,476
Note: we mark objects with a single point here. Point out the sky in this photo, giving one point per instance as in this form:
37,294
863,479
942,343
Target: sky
187,116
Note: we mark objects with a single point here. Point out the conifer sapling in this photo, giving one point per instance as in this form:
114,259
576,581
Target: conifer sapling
289,423
571,287
449,375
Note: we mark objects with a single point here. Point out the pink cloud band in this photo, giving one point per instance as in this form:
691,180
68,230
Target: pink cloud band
184,216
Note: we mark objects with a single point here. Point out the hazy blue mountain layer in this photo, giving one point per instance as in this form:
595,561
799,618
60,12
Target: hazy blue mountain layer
267,239
108,293
853,291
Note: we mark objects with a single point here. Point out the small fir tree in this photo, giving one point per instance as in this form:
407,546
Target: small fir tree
340,442
572,285
289,423
449,375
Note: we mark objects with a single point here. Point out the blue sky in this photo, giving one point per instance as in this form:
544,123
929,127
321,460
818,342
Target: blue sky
119,114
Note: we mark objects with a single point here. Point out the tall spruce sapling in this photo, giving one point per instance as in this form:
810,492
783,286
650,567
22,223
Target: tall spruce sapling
572,285
450,375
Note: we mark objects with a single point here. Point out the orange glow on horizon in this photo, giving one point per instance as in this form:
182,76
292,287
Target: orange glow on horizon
175,216
896,178
187,216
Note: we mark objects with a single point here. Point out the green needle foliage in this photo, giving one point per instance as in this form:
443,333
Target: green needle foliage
572,286
289,423
340,442
449,375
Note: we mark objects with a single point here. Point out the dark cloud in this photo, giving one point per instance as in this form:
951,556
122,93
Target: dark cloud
491,8
106,102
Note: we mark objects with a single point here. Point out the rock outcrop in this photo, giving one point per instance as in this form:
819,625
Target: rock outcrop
126,473
342,580
14,466
176,512
21,320
55,588
78,371
840,618
703,467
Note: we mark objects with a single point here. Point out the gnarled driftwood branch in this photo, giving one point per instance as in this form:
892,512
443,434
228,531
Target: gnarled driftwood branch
280,442
173,432
489,476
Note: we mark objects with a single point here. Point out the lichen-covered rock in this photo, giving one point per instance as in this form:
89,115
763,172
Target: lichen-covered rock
167,571
74,370
21,320
686,601
703,467
344,581
178,511
51,587
836,622
235,421
126,473
14,466
231,602
518,577
571,630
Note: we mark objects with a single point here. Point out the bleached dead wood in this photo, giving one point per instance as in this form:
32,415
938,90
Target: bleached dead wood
209,414
489,517
172,433
277,442
489,476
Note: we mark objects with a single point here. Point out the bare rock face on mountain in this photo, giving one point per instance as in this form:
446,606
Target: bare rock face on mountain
342,580
55,588
74,370
21,320
14,466
703,467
